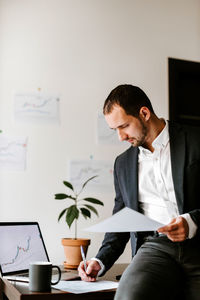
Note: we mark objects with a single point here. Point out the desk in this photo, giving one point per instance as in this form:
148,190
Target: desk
20,291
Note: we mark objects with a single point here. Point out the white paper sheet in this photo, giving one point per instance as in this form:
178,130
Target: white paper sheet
12,153
36,107
79,287
126,220
81,170
105,135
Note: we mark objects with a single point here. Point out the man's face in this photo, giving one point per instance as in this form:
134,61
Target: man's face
129,128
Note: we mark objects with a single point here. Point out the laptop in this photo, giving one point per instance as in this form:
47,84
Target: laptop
22,243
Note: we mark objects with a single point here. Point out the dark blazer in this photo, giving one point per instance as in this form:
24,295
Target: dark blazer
185,163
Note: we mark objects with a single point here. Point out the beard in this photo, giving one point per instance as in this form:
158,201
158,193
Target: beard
139,141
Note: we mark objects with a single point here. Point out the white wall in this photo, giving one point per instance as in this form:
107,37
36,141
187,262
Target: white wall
80,49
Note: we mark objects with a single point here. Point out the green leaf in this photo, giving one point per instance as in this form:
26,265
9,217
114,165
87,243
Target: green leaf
60,196
89,180
68,184
62,213
85,212
92,208
63,196
94,200
72,214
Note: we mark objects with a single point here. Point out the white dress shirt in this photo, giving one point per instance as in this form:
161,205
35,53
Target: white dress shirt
157,198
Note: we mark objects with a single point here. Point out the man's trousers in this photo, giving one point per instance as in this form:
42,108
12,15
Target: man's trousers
162,270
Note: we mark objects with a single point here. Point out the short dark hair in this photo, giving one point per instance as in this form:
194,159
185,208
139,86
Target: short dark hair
130,98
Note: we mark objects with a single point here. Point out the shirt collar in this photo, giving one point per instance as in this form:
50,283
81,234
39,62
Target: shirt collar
160,141
163,138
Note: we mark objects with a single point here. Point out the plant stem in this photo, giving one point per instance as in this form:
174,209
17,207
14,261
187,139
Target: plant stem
75,229
76,219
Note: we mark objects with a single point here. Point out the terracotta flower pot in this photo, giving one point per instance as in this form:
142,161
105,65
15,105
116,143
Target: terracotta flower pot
73,252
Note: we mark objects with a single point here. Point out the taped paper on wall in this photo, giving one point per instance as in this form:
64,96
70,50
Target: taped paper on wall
36,107
12,153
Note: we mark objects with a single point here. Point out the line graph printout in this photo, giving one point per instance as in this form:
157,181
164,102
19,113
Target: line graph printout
81,170
105,135
12,153
20,245
34,107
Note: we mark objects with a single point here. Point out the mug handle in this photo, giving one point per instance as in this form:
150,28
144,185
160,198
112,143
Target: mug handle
59,274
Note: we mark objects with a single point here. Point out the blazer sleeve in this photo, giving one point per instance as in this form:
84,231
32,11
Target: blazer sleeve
192,175
185,160
113,244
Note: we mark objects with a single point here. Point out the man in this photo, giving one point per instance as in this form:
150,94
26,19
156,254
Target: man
159,177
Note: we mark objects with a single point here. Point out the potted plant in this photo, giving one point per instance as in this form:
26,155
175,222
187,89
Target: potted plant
80,206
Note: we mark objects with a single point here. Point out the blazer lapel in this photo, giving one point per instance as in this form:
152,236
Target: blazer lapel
132,177
177,148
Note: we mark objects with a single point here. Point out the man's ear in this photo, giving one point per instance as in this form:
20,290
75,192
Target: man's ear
144,113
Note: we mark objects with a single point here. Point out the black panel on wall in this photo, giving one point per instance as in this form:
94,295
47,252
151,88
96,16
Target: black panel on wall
184,91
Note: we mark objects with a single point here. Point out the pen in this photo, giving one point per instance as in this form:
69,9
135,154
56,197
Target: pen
83,257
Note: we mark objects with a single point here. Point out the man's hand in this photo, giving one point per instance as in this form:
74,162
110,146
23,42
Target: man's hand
93,267
177,230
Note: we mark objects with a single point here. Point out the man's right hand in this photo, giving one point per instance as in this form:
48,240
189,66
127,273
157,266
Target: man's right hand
93,268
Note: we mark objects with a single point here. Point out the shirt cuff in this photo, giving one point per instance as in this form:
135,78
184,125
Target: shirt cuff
101,265
192,226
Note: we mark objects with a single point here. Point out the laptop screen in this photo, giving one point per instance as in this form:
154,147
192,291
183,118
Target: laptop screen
21,243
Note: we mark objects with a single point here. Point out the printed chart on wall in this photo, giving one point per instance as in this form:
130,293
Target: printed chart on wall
105,135
20,246
36,107
81,170
12,153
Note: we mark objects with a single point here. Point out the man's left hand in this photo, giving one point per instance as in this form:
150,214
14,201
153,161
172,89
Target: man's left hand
177,230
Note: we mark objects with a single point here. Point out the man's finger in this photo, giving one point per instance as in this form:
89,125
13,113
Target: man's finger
168,228
91,272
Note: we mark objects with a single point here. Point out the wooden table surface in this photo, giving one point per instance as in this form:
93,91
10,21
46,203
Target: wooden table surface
20,291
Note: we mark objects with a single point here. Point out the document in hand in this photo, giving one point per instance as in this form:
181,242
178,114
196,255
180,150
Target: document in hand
126,220
79,287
